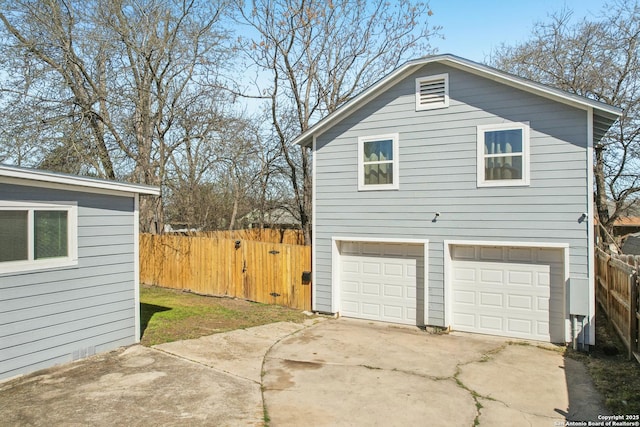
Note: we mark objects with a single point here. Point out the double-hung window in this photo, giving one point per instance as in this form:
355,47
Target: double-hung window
503,154
378,162
37,235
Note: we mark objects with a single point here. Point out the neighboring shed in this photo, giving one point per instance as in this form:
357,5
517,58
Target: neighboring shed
69,276
455,195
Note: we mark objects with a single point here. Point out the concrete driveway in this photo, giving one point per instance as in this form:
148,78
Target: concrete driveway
323,373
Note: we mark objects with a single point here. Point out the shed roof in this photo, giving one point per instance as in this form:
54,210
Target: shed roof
604,115
36,177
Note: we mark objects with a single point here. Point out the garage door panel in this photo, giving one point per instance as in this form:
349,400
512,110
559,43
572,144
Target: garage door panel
491,299
519,254
371,268
464,297
520,326
491,254
521,302
465,319
491,276
372,289
384,285
394,291
490,324
350,287
508,291
525,278
462,274
391,269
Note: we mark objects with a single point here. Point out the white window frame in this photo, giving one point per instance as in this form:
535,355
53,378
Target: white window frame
47,263
435,77
396,162
524,181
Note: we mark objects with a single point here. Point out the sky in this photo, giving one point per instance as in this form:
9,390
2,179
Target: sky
472,28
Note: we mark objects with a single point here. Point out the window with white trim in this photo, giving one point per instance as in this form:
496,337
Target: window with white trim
432,92
36,235
503,154
378,162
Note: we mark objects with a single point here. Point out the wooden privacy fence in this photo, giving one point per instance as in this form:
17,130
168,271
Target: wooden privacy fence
270,273
617,294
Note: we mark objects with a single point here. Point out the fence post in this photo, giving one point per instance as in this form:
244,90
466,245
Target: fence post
633,314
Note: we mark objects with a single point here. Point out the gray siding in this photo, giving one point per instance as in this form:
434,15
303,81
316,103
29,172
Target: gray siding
58,315
438,174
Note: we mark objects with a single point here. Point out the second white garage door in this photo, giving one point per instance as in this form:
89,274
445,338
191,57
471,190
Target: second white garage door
381,281
509,291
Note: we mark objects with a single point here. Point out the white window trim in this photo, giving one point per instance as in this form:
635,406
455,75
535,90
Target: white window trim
72,235
526,159
396,162
444,104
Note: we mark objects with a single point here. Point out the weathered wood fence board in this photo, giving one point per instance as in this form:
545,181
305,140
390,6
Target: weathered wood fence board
617,285
263,272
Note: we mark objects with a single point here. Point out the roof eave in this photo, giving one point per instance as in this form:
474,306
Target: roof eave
76,181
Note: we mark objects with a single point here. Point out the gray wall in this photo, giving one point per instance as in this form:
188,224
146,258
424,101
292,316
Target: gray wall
55,316
438,174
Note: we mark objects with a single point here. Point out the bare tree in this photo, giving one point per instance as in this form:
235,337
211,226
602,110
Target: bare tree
105,81
598,59
319,54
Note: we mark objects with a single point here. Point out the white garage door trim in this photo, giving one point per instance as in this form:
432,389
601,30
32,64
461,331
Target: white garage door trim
448,244
335,266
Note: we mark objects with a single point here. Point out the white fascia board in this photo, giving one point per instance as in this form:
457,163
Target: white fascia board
314,294
459,63
32,177
530,86
136,266
591,238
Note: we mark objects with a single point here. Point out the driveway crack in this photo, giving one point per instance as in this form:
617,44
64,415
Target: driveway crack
486,356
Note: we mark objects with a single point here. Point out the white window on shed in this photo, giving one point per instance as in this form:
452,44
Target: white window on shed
432,92
36,235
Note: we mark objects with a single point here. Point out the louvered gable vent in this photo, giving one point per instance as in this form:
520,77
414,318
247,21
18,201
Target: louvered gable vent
432,92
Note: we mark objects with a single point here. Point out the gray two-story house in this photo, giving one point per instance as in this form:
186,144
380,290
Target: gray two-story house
455,195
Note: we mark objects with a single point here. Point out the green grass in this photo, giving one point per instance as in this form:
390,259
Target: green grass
170,315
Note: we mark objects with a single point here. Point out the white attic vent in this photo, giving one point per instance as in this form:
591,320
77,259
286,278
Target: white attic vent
432,92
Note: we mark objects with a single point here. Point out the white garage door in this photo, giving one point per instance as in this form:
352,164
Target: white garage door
378,281
509,291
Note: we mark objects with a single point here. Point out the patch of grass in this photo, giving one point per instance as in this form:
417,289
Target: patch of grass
170,315
616,378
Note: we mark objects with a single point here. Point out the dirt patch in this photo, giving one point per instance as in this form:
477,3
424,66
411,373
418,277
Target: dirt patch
169,315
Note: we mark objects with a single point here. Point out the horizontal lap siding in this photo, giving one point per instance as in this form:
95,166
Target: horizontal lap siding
438,174
55,316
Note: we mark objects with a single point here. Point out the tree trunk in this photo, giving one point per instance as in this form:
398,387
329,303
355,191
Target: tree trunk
601,198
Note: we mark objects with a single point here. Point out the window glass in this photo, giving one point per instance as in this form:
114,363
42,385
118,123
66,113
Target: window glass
13,235
503,154
377,174
503,141
378,162
378,150
50,234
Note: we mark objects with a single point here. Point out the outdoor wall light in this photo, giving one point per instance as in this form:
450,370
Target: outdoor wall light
237,244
